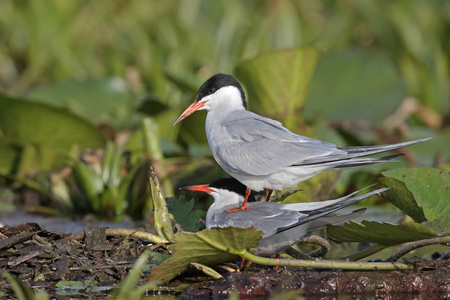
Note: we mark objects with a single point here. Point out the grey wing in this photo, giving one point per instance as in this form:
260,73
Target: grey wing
266,216
261,146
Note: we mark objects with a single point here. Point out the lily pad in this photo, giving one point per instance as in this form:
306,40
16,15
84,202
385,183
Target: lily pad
422,193
208,247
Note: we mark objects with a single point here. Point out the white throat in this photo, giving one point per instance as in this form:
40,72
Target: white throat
227,98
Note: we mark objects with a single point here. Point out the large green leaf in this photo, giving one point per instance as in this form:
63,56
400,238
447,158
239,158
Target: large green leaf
44,130
422,193
381,233
277,82
353,85
105,100
208,247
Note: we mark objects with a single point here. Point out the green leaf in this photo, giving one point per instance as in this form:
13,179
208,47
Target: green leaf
50,130
183,214
400,196
381,233
105,100
276,82
162,223
422,193
353,85
208,247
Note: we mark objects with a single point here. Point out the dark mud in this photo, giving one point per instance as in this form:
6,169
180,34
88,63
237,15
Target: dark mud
49,259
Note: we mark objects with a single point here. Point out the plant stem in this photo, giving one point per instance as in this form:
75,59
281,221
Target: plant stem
419,244
367,252
327,264
136,234
325,245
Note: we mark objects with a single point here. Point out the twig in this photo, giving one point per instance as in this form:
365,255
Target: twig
414,245
26,257
136,234
98,267
126,233
207,270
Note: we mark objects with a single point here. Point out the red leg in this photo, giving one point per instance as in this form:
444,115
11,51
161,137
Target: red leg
276,267
268,195
244,206
242,262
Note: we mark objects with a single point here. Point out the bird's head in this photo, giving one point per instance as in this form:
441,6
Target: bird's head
218,92
224,190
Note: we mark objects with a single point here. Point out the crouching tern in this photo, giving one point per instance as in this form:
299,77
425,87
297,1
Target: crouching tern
283,224
261,153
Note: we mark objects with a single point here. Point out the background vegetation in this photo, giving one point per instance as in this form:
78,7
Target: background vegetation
90,90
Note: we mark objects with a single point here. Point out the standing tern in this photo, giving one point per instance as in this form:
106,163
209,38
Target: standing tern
261,153
283,224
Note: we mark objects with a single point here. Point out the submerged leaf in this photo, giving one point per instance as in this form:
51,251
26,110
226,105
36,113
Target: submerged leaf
208,247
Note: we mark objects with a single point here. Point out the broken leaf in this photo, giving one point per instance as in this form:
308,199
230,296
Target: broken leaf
208,247
381,233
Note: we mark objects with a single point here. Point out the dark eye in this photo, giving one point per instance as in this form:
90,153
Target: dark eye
212,90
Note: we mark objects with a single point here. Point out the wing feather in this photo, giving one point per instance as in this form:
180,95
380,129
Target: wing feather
260,146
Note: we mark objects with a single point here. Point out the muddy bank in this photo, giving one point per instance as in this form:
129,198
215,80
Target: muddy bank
100,261
423,284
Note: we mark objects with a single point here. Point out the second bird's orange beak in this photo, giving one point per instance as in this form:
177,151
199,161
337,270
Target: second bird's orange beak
199,188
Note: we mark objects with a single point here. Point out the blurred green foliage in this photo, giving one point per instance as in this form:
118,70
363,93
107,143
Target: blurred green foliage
112,63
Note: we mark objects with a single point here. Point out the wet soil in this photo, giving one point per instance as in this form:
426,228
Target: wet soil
50,259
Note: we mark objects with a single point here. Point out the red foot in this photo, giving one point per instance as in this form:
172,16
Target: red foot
244,204
242,207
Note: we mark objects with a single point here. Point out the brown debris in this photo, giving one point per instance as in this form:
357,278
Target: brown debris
35,255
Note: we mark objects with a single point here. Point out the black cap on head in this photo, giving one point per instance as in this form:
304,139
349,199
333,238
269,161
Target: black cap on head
232,185
216,82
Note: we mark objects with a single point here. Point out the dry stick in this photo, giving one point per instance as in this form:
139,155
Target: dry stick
126,233
414,245
136,234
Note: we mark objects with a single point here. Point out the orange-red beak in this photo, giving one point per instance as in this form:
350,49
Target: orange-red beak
199,188
190,110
